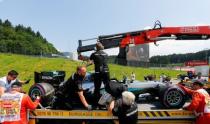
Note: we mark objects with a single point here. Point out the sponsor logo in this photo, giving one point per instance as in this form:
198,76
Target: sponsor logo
189,30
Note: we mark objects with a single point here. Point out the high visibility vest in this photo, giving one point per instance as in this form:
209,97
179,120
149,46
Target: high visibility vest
207,100
10,105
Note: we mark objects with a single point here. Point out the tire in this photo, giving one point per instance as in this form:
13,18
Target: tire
45,90
173,97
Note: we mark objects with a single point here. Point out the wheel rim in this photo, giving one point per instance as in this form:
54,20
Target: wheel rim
35,92
174,97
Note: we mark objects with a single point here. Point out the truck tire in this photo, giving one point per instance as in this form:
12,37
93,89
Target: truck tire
45,91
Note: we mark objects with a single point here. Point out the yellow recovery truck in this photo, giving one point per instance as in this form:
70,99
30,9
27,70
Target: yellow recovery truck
147,114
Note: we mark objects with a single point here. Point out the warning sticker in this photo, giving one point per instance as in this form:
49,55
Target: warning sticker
71,114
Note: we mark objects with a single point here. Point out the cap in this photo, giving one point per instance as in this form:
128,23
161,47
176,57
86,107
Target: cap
16,84
199,82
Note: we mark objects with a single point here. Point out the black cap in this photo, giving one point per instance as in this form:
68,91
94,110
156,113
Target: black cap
198,82
16,84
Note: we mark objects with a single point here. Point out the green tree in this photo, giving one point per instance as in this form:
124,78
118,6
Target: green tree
23,40
7,23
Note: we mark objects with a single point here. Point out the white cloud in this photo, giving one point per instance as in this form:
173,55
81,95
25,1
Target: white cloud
178,47
167,47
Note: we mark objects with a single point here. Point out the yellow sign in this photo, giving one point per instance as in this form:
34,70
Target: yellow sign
71,114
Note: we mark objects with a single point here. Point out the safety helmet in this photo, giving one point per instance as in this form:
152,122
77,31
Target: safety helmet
16,84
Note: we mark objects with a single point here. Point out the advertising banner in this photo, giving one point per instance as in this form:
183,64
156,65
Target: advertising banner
138,53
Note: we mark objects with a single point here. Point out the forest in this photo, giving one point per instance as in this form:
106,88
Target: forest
180,58
23,40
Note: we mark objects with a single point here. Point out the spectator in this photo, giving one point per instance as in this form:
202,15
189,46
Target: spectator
162,77
133,76
199,75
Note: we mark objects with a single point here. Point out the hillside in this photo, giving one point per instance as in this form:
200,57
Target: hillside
23,40
180,58
26,65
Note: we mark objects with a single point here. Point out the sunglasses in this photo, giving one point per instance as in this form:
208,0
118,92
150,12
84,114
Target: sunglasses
14,77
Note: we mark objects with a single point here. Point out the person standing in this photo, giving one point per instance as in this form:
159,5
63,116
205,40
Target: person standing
100,58
16,104
125,108
133,76
200,103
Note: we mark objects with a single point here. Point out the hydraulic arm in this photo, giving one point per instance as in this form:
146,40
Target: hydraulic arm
158,33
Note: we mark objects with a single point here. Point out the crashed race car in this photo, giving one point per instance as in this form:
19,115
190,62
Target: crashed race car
47,84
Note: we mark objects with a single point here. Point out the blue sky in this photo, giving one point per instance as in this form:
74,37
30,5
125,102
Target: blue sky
64,22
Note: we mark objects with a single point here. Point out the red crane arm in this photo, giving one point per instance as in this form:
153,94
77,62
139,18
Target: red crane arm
177,33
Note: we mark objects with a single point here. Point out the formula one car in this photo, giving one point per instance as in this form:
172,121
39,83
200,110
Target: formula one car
47,83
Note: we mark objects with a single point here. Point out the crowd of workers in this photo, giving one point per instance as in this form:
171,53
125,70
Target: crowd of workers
122,103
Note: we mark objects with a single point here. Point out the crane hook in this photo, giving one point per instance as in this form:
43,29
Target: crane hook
157,23
156,43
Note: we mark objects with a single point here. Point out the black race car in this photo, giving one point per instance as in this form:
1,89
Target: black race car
47,84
